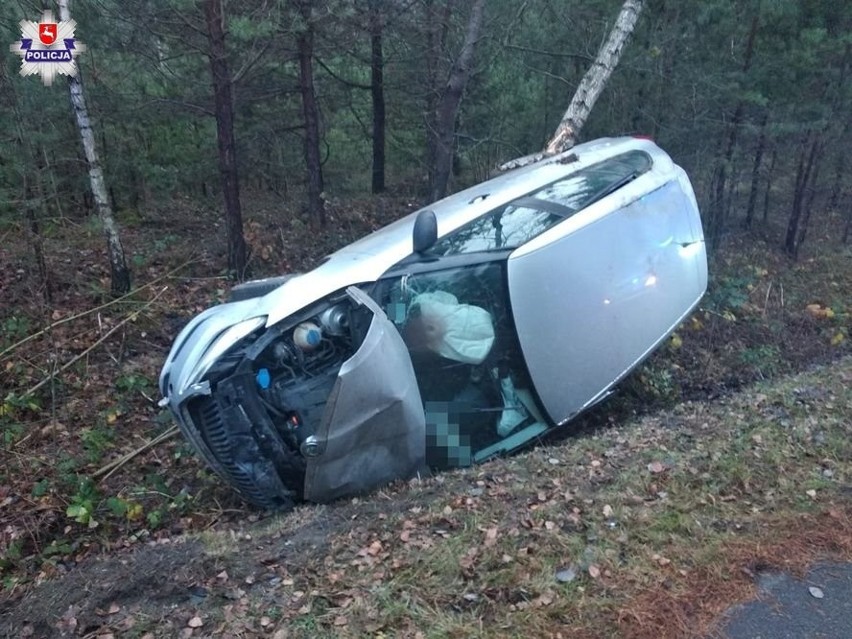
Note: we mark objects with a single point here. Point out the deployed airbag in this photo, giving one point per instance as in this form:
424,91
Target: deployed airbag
460,332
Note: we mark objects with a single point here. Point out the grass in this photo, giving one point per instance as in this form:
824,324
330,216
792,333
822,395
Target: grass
473,553
655,553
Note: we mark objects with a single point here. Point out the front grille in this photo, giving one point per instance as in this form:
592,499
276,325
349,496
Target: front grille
237,456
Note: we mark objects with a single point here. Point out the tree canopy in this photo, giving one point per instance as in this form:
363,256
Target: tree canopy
711,81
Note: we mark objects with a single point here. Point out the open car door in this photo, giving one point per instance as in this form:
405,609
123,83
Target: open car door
373,428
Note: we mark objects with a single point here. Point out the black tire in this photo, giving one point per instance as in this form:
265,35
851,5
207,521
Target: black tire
257,288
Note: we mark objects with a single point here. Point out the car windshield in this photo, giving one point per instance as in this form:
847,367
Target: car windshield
519,221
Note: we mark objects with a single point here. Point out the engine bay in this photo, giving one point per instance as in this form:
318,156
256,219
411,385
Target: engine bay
268,397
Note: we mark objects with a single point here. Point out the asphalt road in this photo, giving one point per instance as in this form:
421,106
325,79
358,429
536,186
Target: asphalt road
816,607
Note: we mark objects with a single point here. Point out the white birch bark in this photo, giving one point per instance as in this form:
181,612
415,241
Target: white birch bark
593,83
118,265
589,89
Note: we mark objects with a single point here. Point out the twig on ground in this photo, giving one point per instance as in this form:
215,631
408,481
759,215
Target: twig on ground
766,301
113,466
100,341
71,318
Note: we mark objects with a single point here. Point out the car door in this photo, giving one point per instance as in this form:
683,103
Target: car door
373,428
597,293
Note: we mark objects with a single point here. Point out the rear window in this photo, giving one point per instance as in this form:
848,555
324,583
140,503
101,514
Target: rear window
519,221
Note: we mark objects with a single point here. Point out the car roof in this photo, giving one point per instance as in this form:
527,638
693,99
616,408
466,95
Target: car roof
365,260
464,206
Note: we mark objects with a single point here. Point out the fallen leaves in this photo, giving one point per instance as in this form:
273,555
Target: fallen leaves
491,536
660,560
656,467
111,610
819,311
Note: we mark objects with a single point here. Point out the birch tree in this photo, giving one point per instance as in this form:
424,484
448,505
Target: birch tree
120,274
595,79
590,87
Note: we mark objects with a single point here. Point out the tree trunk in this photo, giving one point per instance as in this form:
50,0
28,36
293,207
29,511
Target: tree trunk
642,81
31,201
766,195
671,13
803,178
755,172
448,106
310,113
733,191
593,83
840,166
237,253
837,182
718,204
809,194
35,237
377,92
437,27
120,274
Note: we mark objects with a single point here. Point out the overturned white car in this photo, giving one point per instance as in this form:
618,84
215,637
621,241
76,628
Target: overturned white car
463,331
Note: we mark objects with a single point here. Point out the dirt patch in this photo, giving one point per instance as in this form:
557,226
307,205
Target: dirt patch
161,584
147,581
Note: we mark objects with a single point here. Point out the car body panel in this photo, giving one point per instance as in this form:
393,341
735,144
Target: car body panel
181,370
373,428
368,258
595,282
628,276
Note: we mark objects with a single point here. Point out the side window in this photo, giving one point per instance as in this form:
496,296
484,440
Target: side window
507,227
473,381
513,224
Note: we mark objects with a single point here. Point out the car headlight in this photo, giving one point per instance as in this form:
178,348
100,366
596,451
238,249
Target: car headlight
228,338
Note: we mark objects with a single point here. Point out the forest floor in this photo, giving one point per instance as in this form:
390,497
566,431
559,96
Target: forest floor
727,454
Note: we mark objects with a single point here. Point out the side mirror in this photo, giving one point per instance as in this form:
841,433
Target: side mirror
425,231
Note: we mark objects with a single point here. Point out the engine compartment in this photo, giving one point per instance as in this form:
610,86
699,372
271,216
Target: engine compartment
268,397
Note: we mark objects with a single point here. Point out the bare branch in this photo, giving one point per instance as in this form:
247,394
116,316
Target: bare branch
71,318
349,83
100,341
113,466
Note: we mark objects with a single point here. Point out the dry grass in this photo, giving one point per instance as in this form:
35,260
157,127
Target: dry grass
657,554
